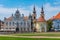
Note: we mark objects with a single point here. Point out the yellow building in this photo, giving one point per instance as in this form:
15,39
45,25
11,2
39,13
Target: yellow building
41,25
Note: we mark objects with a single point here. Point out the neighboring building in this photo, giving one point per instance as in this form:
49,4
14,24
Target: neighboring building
1,24
17,22
41,25
56,22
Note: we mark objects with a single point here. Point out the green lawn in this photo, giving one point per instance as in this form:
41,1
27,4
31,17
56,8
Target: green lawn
15,38
31,34
38,34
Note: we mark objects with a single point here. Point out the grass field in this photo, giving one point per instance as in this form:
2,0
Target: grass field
15,38
51,34
39,34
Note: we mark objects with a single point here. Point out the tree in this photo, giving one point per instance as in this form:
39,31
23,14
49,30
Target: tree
49,24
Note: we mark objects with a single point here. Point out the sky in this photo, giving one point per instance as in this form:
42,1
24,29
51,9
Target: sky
8,7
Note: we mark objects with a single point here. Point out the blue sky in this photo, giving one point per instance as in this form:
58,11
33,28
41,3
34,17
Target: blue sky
7,7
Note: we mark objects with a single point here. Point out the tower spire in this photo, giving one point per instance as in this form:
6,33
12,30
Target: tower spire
17,13
34,11
12,14
42,12
34,19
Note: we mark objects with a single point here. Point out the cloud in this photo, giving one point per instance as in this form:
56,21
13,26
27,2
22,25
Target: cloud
56,3
51,10
38,10
11,10
6,12
1,5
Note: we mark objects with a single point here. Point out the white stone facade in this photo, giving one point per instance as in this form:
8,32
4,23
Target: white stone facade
16,20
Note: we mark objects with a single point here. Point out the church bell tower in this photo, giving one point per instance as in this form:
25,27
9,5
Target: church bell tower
42,12
34,19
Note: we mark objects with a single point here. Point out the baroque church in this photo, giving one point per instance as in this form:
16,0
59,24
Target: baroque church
20,23
41,25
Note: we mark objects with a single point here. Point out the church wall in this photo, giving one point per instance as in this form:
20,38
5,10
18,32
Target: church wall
40,25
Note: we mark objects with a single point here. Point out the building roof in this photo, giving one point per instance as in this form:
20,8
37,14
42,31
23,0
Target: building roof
41,19
52,18
56,17
25,18
9,19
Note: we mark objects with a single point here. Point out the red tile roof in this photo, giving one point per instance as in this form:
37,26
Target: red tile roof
26,18
9,19
41,19
56,17
52,18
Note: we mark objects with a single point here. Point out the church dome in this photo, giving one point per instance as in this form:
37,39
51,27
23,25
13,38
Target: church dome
17,13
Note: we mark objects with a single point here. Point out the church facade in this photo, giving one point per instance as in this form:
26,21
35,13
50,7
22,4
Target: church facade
41,25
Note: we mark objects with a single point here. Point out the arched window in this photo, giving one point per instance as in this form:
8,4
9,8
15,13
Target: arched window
9,23
13,23
21,23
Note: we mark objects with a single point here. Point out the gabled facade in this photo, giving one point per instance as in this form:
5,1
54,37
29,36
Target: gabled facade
41,25
56,22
